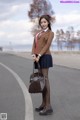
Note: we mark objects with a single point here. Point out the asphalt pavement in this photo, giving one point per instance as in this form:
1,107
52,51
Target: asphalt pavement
67,59
64,85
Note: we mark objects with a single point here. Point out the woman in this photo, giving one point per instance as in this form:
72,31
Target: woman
41,53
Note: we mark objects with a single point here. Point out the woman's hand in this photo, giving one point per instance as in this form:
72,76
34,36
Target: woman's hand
34,57
37,58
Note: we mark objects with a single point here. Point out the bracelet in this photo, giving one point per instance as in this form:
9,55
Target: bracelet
39,55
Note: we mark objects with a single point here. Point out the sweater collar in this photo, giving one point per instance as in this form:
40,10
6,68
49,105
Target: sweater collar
46,30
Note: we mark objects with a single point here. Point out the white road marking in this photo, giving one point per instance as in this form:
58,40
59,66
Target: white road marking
27,97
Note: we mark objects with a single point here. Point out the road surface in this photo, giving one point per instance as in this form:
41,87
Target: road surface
16,101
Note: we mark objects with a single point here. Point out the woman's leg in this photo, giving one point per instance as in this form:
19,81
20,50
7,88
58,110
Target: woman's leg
43,94
47,109
46,93
43,104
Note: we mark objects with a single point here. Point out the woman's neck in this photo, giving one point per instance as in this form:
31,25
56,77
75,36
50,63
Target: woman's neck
45,29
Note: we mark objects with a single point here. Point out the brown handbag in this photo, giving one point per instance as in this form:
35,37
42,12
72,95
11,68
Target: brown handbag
37,82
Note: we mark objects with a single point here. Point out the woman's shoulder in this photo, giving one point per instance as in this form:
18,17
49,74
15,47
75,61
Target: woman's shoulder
51,32
36,32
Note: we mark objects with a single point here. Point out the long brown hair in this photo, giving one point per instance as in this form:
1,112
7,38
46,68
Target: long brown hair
48,18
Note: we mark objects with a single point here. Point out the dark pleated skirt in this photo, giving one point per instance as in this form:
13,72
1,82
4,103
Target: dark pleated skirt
45,61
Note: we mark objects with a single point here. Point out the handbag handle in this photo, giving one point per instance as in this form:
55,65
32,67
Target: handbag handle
38,66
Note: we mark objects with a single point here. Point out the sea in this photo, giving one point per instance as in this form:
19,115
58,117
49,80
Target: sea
54,47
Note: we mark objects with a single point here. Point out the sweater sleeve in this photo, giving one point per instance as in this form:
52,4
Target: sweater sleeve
33,46
47,46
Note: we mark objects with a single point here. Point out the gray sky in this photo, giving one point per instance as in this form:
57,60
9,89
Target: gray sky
15,25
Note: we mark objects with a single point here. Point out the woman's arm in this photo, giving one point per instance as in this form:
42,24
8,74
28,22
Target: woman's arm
46,47
33,47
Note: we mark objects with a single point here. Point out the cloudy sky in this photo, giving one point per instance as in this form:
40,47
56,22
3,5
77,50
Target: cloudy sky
15,25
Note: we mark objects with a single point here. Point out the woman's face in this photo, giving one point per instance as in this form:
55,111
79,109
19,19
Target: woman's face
44,23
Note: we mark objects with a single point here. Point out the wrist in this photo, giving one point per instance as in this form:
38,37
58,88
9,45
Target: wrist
39,55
